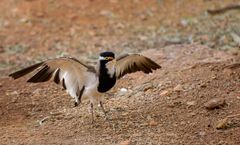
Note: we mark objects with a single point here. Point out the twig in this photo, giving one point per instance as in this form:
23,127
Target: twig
223,10
233,66
232,116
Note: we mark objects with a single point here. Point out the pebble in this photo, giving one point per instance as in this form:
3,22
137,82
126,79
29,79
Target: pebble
152,123
122,91
178,88
144,87
14,93
43,120
202,133
192,114
222,124
126,142
165,93
214,103
139,94
235,38
191,103
108,14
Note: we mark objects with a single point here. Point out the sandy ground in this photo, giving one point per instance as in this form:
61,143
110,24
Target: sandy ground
165,107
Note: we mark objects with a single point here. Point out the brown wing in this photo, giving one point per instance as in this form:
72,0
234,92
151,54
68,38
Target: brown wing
69,72
134,62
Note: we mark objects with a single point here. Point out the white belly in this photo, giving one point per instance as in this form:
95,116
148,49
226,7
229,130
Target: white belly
91,90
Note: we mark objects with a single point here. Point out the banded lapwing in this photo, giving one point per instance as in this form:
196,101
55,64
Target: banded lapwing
82,80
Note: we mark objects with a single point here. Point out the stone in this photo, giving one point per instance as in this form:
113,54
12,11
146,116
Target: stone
191,103
152,123
165,93
178,88
122,91
222,124
126,142
215,103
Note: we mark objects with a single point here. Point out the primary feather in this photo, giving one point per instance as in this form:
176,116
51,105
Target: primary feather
134,62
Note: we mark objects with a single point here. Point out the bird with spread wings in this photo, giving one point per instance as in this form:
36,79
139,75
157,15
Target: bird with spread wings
82,80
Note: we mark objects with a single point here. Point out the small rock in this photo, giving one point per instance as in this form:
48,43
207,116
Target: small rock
178,88
147,87
203,85
215,103
126,142
139,94
36,91
46,132
125,114
108,14
24,20
43,120
40,14
122,91
175,104
184,22
165,93
182,123
236,38
202,133
191,103
152,123
192,114
14,93
144,87
56,113
222,124
143,38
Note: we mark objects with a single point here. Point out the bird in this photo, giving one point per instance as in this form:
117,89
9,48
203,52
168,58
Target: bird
83,80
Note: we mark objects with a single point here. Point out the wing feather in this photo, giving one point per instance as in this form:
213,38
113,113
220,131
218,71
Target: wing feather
133,63
65,71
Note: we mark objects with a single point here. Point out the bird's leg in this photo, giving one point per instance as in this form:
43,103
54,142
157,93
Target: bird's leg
91,111
103,110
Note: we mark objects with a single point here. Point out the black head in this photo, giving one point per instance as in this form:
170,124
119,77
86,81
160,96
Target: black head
106,56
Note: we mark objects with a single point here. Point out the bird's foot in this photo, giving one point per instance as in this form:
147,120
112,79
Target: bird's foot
75,104
104,111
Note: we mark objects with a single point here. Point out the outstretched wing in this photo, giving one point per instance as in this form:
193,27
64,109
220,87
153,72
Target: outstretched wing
66,71
134,62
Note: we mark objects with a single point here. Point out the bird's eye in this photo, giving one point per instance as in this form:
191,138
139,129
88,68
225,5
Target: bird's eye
108,58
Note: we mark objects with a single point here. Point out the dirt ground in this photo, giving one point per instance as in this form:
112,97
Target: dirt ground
199,54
